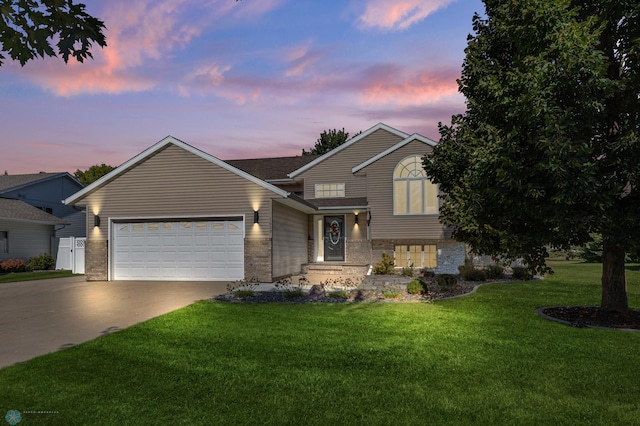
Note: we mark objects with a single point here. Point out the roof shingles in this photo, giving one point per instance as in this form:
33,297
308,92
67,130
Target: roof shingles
19,210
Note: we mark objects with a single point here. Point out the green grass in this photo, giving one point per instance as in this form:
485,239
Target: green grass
31,276
482,359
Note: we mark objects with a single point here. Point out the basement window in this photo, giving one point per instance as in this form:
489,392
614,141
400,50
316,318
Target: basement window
418,256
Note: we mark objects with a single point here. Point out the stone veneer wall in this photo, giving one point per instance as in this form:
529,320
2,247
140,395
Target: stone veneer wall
257,260
451,253
96,260
358,252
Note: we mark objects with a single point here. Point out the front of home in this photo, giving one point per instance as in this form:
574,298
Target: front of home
174,212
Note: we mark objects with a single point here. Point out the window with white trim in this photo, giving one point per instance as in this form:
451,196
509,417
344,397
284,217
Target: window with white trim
417,256
329,190
413,191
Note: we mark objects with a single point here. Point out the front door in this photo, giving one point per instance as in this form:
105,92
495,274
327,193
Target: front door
334,238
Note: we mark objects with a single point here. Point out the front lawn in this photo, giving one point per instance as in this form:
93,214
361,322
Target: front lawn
482,359
31,276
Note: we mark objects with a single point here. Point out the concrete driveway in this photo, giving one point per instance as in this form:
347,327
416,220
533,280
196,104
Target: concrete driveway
38,317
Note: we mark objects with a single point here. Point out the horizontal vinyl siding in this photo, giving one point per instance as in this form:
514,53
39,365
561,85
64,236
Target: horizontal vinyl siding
175,183
26,239
337,169
289,240
386,225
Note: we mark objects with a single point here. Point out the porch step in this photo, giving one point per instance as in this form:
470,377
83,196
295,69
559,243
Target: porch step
334,269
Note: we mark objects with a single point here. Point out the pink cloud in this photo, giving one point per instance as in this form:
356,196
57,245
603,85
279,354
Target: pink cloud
394,15
300,59
139,34
390,84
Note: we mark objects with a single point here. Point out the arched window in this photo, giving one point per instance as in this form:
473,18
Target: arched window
413,192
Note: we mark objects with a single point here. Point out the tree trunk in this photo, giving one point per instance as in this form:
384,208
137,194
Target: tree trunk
614,285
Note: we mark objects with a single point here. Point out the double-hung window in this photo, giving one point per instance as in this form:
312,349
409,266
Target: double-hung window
329,190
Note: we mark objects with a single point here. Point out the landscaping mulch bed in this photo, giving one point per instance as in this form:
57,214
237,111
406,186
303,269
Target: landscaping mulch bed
356,295
594,316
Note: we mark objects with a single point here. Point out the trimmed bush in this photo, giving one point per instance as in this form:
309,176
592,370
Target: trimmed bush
416,287
446,281
385,266
521,273
44,262
470,273
494,272
13,265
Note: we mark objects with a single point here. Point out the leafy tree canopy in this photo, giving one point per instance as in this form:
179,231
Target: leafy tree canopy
328,140
28,29
92,174
547,152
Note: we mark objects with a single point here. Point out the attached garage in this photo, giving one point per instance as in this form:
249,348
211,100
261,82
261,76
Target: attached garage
178,249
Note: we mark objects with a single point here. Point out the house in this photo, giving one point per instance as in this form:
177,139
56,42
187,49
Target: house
174,212
32,215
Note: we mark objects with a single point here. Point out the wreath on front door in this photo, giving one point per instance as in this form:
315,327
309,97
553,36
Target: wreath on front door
334,232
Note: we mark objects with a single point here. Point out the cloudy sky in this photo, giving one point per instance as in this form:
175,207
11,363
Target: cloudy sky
249,79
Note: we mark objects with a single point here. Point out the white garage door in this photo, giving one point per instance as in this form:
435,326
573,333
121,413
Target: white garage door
186,251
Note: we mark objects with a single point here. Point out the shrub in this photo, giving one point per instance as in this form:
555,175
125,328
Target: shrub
245,286
341,283
13,265
428,273
521,273
242,294
391,294
44,262
446,281
293,293
470,273
385,266
494,272
339,294
416,287
407,271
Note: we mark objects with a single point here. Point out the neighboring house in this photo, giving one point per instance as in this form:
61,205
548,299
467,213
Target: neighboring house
32,213
25,231
174,212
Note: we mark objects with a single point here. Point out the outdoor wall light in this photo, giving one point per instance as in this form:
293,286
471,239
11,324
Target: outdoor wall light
368,218
96,220
256,216
356,221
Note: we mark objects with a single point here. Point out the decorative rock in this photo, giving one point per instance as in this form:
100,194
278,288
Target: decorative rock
360,295
316,292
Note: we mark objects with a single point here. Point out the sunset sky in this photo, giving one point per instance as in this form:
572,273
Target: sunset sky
249,79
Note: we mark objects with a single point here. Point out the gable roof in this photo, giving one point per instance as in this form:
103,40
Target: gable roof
347,144
277,168
170,140
14,182
414,137
20,211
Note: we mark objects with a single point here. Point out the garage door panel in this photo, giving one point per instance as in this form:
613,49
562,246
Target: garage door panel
201,240
169,250
154,256
235,256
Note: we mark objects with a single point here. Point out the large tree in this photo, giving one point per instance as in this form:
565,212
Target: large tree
328,140
547,151
29,28
93,173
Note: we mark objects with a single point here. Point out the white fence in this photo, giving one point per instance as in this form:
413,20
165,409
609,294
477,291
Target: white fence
71,254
